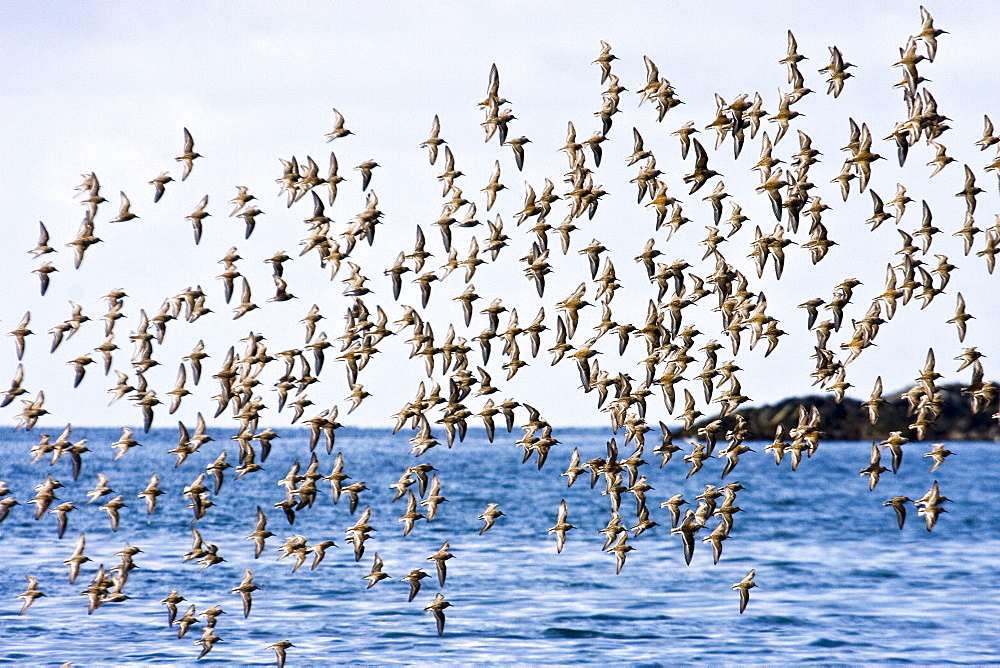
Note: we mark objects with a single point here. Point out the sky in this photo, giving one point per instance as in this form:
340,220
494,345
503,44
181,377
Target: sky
108,88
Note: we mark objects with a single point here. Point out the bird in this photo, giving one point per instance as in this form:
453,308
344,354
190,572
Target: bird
449,174
159,185
62,513
941,159
898,504
43,274
687,529
489,516
414,577
15,387
207,641
517,146
930,511
243,196
744,586
638,150
875,401
377,574
32,593
561,526
875,468
366,168
437,608
171,601
701,173
188,156
928,33
412,514
988,138
43,247
604,61
249,216
621,550
245,304
684,133
338,127
938,454
440,559
112,507
718,535
186,621
493,187
19,334
836,71
280,648
77,559
434,141
434,498
960,318
197,217
124,214
151,493
929,505
784,115
673,504
574,470
245,590
353,492
211,616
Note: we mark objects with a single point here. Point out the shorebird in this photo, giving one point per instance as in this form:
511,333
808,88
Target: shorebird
517,146
437,608
621,550
338,127
874,468
151,492
112,507
77,559
898,504
159,185
188,156
489,516
412,514
561,527
377,574
440,558
894,442
938,454
744,586
434,141
280,648
124,214
687,530
62,513
245,589
171,601
960,318
207,641
31,594
414,578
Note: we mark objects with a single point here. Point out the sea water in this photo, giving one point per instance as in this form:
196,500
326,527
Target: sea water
838,581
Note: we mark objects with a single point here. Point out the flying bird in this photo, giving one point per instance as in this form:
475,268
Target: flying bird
744,586
188,156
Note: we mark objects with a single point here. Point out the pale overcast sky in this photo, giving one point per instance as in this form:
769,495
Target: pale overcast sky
108,87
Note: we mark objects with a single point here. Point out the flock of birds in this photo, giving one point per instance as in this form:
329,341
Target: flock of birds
448,360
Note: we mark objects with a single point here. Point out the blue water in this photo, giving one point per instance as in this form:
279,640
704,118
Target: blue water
838,582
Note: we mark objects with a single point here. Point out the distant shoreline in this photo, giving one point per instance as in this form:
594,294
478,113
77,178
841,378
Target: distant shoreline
848,421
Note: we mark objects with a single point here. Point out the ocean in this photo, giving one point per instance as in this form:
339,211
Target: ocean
837,581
